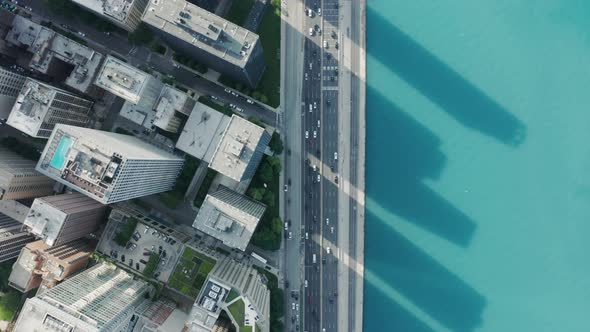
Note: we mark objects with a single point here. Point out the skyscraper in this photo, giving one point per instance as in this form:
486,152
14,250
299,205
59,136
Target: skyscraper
10,86
124,13
39,263
99,299
212,40
12,238
39,107
63,218
19,179
107,167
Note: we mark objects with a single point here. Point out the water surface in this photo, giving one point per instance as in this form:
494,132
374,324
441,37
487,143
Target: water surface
478,165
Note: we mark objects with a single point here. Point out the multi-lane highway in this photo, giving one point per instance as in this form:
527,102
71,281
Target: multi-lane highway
320,169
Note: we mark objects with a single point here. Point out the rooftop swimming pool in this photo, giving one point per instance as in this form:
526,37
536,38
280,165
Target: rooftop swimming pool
59,157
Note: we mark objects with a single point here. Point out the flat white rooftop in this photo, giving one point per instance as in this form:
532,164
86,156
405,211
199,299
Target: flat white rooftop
230,217
237,146
47,45
122,79
115,9
202,29
202,132
32,105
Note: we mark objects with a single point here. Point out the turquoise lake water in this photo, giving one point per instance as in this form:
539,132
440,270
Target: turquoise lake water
478,166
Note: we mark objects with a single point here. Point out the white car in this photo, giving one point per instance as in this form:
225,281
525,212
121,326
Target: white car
311,31
286,188
234,94
332,229
309,12
227,90
325,44
335,155
315,134
175,65
81,33
315,168
319,178
250,101
306,236
319,12
306,77
290,235
306,134
315,105
293,306
305,283
318,123
239,109
327,221
328,250
214,98
310,108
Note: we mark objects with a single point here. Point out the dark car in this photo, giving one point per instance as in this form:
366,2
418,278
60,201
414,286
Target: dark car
286,283
137,266
122,258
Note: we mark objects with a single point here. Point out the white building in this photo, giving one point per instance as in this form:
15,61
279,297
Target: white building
106,166
10,86
63,218
202,132
123,13
230,217
240,150
102,298
39,107
19,179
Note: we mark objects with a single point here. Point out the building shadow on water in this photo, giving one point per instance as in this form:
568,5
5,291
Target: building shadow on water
442,85
410,155
421,280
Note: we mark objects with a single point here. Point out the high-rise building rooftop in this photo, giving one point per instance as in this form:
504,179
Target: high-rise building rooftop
124,13
63,218
100,299
205,30
39,263
240,150
47,46
106,166
122,79
202,132
230,217
170,102
11,84
40,106
229,275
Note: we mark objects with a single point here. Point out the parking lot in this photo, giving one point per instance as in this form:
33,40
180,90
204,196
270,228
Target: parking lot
145,241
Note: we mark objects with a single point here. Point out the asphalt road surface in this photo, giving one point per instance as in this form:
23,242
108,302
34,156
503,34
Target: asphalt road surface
320,146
